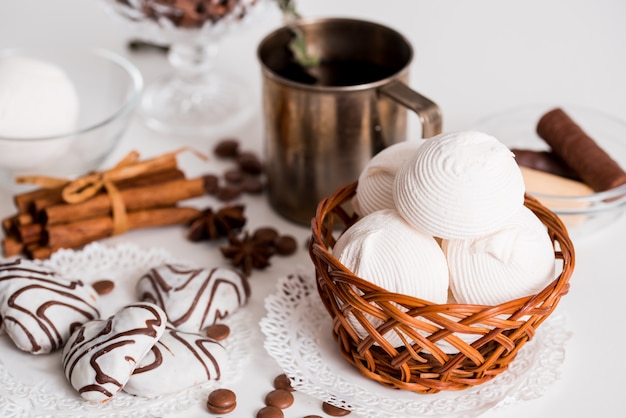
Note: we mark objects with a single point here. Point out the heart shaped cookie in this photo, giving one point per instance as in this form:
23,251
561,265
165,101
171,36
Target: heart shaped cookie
100,355
179,360
194,298
39,308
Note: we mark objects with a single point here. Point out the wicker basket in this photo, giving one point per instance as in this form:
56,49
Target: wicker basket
421,366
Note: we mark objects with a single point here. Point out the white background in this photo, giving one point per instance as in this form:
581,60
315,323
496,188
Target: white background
474,58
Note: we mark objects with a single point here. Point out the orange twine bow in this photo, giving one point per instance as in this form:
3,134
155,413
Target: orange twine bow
87,186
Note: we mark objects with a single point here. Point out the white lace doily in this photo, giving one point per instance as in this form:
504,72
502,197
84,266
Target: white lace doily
34,386
298,336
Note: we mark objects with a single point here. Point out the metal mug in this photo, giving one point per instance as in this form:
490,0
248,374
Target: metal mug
322,125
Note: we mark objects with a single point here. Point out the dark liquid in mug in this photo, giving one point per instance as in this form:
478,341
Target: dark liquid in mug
336,73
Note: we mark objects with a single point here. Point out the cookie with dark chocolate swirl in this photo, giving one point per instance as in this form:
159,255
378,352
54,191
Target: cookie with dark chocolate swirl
39,308
101,355
194,298
179,360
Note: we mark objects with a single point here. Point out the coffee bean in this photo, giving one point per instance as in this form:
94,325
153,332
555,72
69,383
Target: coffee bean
226,148
279,398
228,193
334,411
252,185
282,382
265,235
250,163
234,175
211,183
218,332
270,412
285,245
102,287
222,401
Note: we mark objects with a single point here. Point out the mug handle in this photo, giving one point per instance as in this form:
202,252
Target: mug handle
427,110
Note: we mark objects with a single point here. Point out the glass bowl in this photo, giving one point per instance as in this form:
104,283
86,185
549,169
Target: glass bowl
581,213
108,88
194,98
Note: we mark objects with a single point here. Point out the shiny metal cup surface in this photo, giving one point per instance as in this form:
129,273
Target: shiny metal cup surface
322,125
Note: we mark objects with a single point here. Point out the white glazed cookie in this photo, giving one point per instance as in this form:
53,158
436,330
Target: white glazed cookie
100,355
459,185
513,262
383,249
179,360
375,186
39,308
194,298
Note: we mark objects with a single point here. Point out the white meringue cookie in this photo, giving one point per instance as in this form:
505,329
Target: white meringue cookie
383,249
459,185
375,187
513,262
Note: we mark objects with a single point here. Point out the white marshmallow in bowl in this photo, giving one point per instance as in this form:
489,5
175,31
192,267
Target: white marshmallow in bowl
375,186
459,185
37,101
513,262
383,249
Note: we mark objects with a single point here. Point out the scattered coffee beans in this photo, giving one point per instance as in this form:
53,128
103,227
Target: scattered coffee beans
226,148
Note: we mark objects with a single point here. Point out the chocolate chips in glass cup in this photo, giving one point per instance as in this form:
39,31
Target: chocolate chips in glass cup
191,14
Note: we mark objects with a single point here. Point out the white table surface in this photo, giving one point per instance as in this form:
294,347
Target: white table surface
474,59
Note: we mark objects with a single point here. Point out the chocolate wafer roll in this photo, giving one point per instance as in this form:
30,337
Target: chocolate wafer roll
579,151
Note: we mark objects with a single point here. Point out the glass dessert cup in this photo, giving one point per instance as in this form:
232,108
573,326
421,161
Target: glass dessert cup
193,98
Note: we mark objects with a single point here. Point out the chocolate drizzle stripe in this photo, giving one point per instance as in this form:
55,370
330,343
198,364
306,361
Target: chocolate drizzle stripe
196,355
158,360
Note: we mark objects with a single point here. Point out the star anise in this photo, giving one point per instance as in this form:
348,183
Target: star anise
214,225
247,253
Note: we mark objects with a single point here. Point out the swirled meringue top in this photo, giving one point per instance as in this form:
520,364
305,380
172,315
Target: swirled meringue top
383,249
459,185
375,187
513,262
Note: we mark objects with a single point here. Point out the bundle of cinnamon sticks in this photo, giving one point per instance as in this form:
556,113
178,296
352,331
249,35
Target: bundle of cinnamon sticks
70,214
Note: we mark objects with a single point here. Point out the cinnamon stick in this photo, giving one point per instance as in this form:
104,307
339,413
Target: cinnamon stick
579,151
7,224
163,169
40,204
75,234
135,198
24,200
11,246
30,233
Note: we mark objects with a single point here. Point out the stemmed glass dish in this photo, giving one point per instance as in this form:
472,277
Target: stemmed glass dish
194,98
